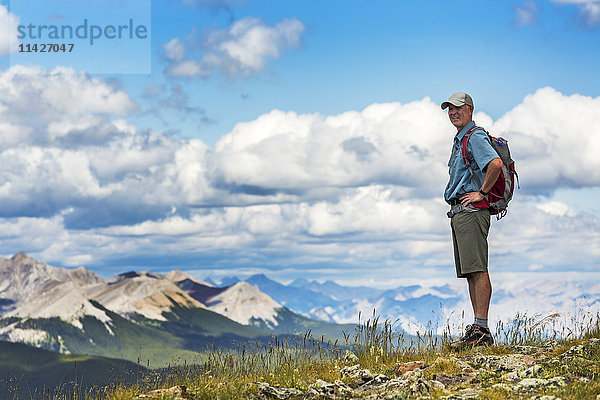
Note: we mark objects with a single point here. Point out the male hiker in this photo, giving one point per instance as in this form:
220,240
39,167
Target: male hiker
467,193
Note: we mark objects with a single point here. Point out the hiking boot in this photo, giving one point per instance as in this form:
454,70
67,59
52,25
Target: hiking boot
474,336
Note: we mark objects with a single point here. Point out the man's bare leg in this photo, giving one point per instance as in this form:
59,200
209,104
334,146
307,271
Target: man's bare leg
478,334
480,291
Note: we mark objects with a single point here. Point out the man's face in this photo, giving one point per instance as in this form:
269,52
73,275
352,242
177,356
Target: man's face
460,116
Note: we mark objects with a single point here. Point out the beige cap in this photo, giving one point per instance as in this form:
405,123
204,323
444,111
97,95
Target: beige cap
458,99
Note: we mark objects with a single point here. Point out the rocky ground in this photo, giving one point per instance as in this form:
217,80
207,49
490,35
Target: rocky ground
530,372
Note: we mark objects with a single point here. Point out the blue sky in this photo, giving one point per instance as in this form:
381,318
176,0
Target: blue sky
297,138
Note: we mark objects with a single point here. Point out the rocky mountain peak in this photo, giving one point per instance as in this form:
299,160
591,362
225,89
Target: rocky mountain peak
20,257
243,303
83,277
179,276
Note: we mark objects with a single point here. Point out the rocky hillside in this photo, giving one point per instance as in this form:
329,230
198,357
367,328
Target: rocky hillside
549,372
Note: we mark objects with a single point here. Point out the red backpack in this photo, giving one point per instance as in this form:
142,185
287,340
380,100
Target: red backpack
504,187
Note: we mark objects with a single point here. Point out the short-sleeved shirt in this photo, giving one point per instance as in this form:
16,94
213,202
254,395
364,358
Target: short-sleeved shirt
481,153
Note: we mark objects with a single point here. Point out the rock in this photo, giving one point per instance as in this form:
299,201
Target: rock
503,386
413,375
558,381
437,385
420,387
176,393
356,375
498,364
525,349
464,395
395,384
454,380
279,393
401,369
575,351
464,377
470,393
530,372
350,358
532,384
379,379
323,389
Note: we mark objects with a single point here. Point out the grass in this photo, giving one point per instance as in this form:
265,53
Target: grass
299,361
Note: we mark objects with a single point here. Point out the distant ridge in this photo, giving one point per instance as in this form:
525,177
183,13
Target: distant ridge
76,311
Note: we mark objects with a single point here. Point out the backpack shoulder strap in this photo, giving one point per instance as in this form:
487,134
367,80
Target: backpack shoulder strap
465,152
465,140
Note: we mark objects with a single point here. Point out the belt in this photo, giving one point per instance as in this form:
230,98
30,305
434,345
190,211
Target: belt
454,202
455,210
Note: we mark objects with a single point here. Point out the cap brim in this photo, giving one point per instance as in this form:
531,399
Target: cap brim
446,104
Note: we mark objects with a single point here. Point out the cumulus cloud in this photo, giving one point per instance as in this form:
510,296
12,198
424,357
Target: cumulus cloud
242,49
8,31
286,152
553,150
58,106
63,148
362,188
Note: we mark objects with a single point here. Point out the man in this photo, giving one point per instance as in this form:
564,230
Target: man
467,193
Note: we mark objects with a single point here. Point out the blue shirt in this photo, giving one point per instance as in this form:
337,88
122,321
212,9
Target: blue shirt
480,152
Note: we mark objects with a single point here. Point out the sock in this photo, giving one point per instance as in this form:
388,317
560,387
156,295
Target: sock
483,323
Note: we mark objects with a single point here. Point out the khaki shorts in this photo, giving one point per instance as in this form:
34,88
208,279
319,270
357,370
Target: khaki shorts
469,236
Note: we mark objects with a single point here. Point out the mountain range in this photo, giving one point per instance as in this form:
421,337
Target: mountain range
156,317
136,314
410,308
417,308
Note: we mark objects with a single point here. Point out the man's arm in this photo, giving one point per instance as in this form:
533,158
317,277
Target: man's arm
491,174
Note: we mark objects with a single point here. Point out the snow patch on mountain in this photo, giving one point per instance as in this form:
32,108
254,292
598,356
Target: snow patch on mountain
244,303
323,313
423,291
33,337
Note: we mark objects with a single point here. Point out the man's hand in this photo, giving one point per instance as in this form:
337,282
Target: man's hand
491,174
471,197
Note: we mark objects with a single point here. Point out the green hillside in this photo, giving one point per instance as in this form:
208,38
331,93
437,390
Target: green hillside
153,343
27,371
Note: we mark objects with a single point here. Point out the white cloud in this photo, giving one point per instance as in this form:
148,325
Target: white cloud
241,49
394,143
362,188
556,208
526,14
30,234
8,31
589,10
535,267
551,149
57,106
174,50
